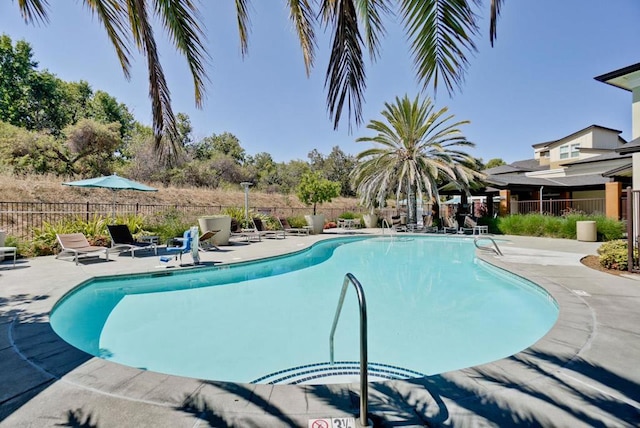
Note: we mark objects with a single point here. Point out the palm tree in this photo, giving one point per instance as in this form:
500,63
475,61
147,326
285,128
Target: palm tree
417,149
441,35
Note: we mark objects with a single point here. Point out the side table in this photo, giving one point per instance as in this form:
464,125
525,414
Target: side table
10,251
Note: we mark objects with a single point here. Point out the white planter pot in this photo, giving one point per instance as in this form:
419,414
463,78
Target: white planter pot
370,220
316,222
217,222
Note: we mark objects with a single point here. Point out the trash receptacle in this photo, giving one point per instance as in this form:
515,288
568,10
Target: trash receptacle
586,231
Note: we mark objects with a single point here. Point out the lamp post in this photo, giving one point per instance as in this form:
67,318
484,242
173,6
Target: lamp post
245,185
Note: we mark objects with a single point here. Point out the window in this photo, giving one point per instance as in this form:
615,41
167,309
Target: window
564,152
575,150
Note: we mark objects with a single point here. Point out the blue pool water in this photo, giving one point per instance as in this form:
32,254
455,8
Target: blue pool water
432,307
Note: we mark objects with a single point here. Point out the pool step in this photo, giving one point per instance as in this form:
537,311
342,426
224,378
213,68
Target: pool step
339,372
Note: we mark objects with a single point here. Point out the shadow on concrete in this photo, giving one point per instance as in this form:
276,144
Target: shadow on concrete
32,353
77,419
554,398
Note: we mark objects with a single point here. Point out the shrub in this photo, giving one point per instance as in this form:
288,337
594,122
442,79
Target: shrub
614,254
297,221
558,227
348,215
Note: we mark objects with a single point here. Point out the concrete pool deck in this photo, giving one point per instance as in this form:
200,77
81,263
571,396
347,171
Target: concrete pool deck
584,372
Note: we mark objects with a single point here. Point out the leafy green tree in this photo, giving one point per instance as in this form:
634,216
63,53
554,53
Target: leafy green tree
226,144
441,34
105,108
492,163
337,166
128,25
313,189
90,147
416,149
16,70
27,152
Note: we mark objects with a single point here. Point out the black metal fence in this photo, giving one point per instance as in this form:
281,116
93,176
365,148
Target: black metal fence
559,207
20,219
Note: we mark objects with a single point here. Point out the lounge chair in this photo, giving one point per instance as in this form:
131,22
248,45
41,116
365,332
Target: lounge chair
77,245
476,229
205,241
246,234
263,231
397,225
121,239
450,225
427,224
292,230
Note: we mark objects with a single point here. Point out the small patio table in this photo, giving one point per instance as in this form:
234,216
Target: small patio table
10,251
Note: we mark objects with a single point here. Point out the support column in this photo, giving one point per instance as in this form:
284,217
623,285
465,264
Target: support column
613,195
489,205
505,202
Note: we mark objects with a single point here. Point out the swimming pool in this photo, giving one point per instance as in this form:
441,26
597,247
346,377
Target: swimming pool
432,307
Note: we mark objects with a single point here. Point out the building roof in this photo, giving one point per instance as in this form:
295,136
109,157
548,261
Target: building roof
631,147
624,78
521,166
571,181
622,171
550,143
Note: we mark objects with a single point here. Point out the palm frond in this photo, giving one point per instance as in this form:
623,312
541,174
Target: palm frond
164,121
496,5
242,16
370,13
301,13
114,19
345,77
181,20
34,11
441,34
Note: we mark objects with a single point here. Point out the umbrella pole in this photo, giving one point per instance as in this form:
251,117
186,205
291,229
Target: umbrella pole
113,207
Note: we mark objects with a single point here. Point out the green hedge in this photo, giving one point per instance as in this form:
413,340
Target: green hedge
558,227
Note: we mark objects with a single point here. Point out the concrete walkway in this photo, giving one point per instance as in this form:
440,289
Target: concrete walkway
585,372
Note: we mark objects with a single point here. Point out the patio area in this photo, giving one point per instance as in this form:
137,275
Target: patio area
584,372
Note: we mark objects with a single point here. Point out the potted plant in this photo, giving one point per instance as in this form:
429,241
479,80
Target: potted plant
314,190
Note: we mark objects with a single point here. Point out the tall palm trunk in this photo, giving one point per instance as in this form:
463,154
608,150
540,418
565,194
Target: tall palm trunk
412,204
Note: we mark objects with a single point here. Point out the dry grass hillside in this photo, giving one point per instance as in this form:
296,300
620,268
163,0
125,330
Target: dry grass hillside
50,189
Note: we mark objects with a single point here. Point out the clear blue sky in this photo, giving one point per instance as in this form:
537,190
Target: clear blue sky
535,85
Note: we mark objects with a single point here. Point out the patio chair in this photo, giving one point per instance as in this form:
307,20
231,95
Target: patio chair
205,241
397,224
476,229
263,231
292,230
121,239
77,245
246,234
427,224
450,225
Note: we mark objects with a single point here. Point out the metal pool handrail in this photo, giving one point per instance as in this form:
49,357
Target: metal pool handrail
364,393
384,221
495,247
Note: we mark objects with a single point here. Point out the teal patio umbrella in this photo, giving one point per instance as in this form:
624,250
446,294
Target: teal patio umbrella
114,183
